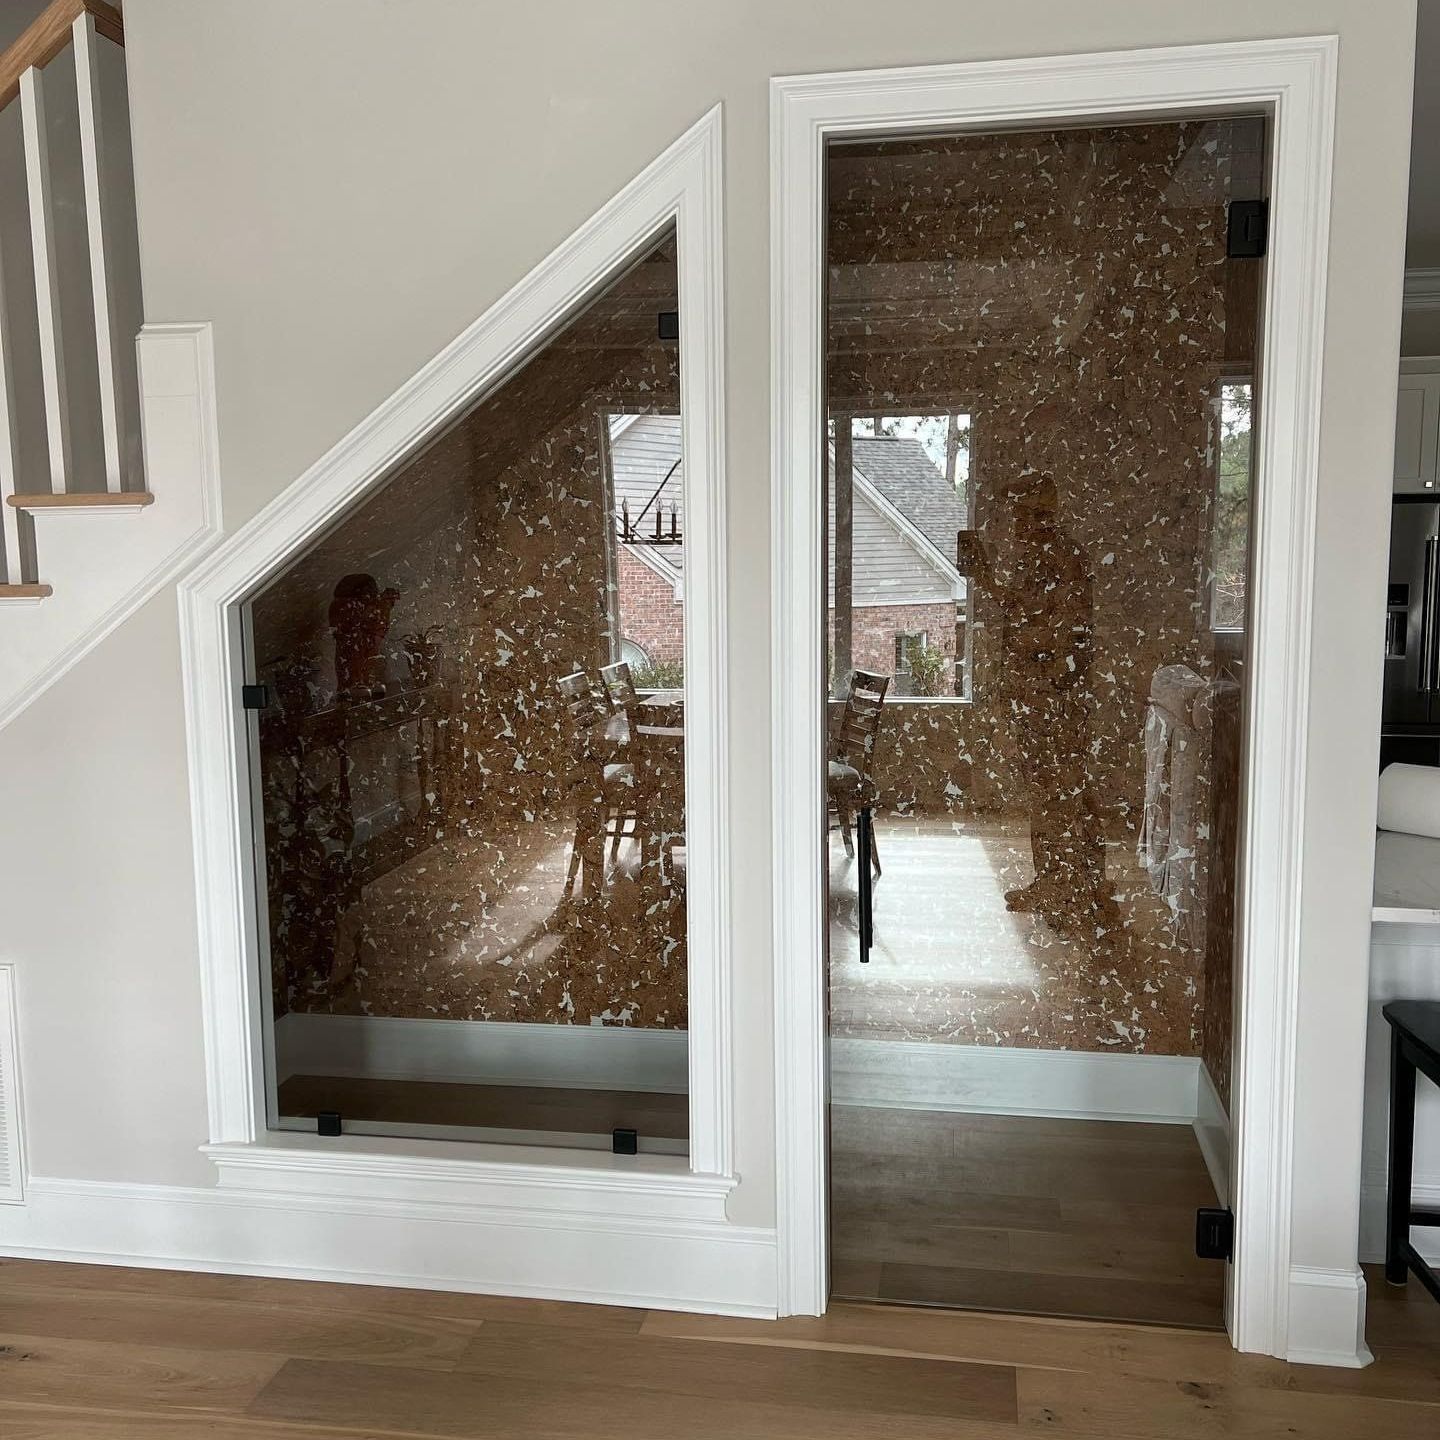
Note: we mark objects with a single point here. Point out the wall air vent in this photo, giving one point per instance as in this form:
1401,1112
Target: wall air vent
12,1170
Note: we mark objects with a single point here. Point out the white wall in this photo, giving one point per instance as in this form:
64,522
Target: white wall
340,187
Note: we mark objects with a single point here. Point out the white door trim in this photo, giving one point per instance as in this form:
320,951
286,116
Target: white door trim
1293,81
682,186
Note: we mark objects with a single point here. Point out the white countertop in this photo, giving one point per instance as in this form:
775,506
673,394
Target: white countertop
1407,879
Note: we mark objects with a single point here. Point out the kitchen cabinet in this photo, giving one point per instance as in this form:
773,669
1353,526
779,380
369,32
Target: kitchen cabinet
1417,427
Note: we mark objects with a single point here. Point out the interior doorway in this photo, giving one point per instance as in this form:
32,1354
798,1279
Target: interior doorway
1041,360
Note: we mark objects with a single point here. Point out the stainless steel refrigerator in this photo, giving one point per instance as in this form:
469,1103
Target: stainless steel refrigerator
1410,724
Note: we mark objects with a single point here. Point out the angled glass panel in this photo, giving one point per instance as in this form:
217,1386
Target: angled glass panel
469,769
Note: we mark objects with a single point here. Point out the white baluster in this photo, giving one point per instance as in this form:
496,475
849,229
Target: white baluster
47,291
10,520
92,156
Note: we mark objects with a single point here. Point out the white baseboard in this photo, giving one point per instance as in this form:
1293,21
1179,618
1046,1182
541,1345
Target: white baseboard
1212,1131
673,1265
1327,1318
1002,1080
483,1052
1426,1239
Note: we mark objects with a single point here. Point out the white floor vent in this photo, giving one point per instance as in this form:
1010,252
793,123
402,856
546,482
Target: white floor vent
12,1170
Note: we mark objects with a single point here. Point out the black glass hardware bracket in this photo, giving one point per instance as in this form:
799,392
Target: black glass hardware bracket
255,697
1247,229
864,822
327,1122
625,1142
1214,1234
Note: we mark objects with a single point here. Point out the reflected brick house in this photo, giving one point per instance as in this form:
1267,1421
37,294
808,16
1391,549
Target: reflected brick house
906,592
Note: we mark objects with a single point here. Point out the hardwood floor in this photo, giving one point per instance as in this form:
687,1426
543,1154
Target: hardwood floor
405,1104
1072,1218
98,1353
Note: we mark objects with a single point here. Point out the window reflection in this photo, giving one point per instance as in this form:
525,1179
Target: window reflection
471,772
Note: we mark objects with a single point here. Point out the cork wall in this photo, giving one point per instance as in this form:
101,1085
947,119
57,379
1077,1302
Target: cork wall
438,820
1070,291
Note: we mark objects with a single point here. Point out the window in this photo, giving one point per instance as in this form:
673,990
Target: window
1230,525
906,647
473,855
646,538
900,493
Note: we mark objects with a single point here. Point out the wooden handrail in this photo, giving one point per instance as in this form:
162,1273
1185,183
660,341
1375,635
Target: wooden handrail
48,34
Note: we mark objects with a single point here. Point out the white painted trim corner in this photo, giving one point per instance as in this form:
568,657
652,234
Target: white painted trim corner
1327,1318
1292,80
98,584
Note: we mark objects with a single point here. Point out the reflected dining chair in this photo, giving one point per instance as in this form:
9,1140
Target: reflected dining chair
658,765
621,692
850,783
602,780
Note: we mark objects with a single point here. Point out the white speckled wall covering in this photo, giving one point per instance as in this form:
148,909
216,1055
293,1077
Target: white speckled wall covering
1070,292
421,786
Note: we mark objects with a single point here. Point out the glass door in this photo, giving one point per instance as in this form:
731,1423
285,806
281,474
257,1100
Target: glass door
1040,382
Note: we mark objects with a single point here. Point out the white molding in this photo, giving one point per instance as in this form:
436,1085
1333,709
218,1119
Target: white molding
533,1178
104,567
482,1052
1327,1317
12,1107
1422,289
1214,1135
629,1258
1009,1080
1293,80
683,187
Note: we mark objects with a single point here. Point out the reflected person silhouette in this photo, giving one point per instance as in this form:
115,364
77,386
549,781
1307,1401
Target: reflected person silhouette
1040,583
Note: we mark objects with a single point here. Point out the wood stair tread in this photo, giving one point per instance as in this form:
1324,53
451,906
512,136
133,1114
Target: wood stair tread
106,500
24,592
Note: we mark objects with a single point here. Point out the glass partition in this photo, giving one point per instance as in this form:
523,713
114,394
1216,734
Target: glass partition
1040,381
470,766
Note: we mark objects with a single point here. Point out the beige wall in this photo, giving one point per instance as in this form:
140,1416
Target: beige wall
341,186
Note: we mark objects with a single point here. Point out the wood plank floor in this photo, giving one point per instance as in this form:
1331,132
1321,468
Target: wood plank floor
404,1104
99,1353
1072,1218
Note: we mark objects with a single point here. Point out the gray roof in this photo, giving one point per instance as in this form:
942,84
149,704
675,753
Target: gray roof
900,469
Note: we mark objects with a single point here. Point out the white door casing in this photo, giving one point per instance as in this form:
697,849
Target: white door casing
1292,82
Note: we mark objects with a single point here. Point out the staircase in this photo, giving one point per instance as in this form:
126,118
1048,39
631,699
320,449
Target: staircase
84,542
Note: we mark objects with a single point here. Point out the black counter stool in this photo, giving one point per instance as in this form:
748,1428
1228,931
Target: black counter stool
1414,1047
